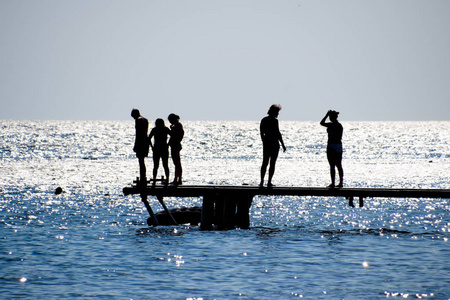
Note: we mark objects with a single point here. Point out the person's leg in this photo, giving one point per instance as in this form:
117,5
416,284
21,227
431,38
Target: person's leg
155,166
165,162
178,169
332,175
340,170
173,154
265,162
273,161
142,170
331,161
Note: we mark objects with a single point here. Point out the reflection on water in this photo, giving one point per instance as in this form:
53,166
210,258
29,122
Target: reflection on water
91,241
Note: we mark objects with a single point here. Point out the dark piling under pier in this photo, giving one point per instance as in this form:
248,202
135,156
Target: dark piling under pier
227,207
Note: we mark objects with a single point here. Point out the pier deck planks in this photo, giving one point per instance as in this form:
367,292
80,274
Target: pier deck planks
201,190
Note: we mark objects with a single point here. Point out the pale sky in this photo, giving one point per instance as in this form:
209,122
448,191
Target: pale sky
224,59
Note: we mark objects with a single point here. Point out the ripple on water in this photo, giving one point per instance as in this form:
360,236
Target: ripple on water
91,241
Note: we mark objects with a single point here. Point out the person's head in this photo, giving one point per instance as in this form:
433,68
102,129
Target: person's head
159,123
274,110
333,115
173,118
135,113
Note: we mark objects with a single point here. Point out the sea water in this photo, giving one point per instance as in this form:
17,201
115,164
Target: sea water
91,241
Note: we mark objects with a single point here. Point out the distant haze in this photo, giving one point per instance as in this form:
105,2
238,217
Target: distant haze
224,60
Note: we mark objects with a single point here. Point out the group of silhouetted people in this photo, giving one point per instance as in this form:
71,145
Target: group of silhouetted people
160,146
270,136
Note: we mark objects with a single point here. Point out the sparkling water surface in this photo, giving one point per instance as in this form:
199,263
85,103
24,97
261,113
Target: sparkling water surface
93,242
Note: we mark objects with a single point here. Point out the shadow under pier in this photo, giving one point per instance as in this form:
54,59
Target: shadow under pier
227,207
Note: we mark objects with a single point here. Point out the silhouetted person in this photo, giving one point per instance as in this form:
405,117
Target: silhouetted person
160,148
141,145
334,146
271,139
176,135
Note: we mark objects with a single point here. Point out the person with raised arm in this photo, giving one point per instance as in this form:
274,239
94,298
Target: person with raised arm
334,146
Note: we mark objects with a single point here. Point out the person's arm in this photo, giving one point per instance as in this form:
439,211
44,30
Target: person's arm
280,138
282,144
181,132
324,118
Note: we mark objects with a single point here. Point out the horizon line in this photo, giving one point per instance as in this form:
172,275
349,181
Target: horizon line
224,120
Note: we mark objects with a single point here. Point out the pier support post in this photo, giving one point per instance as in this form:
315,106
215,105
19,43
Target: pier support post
226,211
206,222
149,209
233,210
350,201
243,211
161,200
361,201
142,185
228,220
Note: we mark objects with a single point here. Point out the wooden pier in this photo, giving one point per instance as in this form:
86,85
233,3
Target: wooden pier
228,207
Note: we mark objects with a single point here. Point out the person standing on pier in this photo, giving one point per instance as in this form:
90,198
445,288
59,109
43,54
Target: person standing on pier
334,146
160,148
271,139
141,145
176,135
